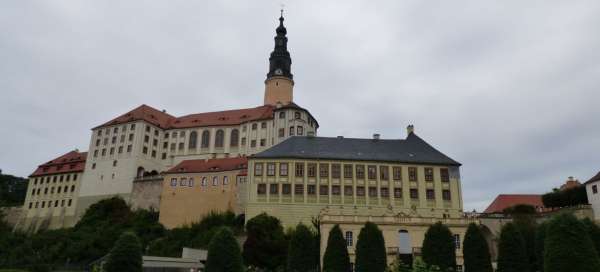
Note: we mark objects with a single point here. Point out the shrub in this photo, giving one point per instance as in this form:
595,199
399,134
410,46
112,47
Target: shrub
126,255
224,253
512,254
370,250
336,257
568,247
265,245
475,251
439,248
301,250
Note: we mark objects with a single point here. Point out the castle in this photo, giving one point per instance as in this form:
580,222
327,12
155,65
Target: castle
266,158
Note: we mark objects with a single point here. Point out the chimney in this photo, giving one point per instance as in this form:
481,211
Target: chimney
410,129
376,136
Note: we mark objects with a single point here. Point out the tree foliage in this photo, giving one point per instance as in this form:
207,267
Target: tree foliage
476,251
540,237
568,247
370,249
336,257
224,253
593,231
398,266
512,254
126,255
265,245
439,248
301,251
524,218
565,198
420,266
12,190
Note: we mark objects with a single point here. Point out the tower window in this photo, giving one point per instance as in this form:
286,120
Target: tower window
282,115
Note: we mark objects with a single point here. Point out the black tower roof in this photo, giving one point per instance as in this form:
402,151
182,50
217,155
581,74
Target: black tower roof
280,62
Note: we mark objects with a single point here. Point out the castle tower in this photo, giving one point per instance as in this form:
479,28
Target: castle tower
279,85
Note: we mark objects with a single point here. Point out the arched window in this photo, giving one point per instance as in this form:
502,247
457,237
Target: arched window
297,115
215,181
205,139
219,138
203,181
193,140
235,137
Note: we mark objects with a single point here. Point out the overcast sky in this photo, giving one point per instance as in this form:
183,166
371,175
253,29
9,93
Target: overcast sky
511,89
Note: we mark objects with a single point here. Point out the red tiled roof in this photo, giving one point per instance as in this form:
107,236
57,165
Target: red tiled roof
212,165
505,201
594,178
73,161
217,118
223,118
143,112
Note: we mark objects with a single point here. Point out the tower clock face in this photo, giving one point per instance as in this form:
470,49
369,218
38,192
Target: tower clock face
278,72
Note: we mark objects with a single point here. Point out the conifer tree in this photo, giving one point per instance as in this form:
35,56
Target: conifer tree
475,251
370,250
568,247
439,248
126,255
301,250
336,257
512,254
224,253
540,236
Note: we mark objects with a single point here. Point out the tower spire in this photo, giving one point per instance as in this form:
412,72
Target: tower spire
280,81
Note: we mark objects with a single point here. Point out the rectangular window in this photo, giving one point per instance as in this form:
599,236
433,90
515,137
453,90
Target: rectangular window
311,189
254,126
112,150
397,175
153,153
122,138
312,170
183,182
428,174
261,189
146,138
348,171
263,125
414,193
273,189
129,148
258,169
271,169
263,142
281,133
286,189
291,131
300,130
446,195
372,170
372,191
384,173
360,191
335,190
430,194
155,142
360,172
131,137
385,192
323,190
299,189
444,175
243,141
283,169
348,190
335,170
397,192
412,174
457,241
349,238
181,146
299,169
459,268
253,143
145,150
120,149
323,170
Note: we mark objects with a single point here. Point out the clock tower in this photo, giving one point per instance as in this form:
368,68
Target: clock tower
279,85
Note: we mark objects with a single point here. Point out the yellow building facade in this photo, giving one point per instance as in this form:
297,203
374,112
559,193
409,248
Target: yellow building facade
194,188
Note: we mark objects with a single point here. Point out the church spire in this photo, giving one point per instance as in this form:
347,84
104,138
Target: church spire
280,62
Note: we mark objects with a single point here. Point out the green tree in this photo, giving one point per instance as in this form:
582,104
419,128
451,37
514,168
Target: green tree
224,254
439,248
398,266
540,236
475,251
512,254
265,245
593,230
301,250
568,247
370,249
420,266
336,257
126,255
524,218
